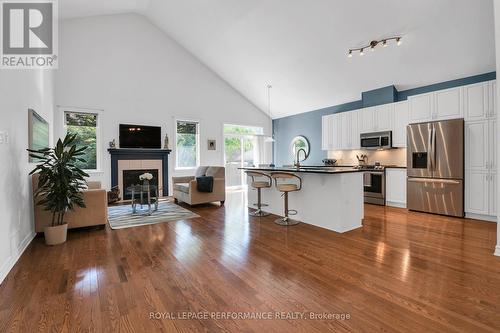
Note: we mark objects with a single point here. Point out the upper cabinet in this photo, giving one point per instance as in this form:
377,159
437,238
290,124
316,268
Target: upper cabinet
421,108
399,123
340,131
448,104
366,119
438,105
375,119
480,101
383,117
475,103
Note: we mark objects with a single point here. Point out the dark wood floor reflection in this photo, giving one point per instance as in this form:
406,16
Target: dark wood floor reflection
406,272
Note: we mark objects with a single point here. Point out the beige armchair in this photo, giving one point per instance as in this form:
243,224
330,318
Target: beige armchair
185,188
96,212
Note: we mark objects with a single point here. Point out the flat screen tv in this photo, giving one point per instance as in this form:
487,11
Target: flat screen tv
139,136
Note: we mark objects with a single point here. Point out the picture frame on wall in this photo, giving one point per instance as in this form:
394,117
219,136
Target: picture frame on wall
38,132
211,145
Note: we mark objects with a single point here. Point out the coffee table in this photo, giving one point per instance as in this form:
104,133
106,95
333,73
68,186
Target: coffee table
144,195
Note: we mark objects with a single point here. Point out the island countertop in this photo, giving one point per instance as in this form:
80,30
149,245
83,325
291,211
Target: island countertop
306,169
330,197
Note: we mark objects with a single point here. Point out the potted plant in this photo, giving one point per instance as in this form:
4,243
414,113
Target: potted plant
60,184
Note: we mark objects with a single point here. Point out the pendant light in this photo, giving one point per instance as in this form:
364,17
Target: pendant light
269,138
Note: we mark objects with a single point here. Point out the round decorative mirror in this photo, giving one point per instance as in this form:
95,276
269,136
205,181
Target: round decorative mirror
300,142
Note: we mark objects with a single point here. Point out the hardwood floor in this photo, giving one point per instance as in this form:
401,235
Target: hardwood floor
406,272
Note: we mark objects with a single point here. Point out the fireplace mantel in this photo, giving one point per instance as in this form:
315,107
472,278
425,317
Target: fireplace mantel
139,154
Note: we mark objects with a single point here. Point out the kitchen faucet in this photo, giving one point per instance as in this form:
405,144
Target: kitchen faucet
297,160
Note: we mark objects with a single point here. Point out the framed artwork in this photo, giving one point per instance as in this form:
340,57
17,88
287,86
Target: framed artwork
211,145
38,129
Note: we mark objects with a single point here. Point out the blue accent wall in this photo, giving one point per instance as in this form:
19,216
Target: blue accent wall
308,124
379,96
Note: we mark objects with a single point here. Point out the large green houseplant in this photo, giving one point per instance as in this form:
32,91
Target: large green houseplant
60,184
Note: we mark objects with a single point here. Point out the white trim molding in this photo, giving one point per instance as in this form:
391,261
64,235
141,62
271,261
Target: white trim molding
9,264
497,251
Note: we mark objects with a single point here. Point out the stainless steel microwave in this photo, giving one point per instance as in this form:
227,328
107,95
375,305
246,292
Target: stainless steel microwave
378,140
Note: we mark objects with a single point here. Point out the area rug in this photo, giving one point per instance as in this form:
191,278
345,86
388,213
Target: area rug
121,217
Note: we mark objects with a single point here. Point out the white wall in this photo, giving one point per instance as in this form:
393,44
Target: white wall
126,66
20,90
497,44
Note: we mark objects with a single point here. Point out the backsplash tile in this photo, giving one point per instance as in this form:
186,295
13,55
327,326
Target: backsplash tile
385,157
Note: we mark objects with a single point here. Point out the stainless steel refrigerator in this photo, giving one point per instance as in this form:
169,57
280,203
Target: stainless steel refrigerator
435,162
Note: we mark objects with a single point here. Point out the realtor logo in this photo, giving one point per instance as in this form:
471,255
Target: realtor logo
29,34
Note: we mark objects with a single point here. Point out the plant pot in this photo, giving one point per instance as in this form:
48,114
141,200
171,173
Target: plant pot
56,235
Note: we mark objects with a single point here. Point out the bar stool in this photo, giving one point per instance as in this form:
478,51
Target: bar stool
280,179
260,180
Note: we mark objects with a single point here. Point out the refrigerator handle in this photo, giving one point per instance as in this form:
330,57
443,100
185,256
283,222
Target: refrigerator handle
433,156
429,150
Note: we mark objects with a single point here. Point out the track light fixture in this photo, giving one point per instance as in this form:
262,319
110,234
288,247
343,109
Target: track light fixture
373,44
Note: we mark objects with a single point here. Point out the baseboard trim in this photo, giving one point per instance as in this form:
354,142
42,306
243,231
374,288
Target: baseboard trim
497,251
7,267
481,217
396,204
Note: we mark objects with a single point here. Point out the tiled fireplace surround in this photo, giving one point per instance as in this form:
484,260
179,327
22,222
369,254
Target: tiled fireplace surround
145,165
139,159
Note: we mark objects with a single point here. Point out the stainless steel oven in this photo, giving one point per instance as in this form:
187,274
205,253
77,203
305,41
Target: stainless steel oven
374,186
378,140
373,183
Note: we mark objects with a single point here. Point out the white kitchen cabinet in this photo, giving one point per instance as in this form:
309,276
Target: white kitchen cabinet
476,101
382,117
493,99
325,132
375,119
493,193
481,169
476,145
355,140
399,123
493,144
448,104
477,192
421,108
330,133
395,187
339,131
344,119
366,120
439,105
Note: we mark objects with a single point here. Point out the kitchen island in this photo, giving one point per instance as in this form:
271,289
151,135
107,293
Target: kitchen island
330,198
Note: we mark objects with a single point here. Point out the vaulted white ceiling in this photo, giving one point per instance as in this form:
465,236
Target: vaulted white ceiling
300,46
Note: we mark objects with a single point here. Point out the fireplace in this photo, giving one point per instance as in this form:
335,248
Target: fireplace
131,177
140,159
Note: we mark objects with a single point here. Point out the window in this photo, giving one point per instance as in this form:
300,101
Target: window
85,126
187,143
242,130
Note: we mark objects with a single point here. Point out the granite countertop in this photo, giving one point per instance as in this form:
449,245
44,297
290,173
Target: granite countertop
307,169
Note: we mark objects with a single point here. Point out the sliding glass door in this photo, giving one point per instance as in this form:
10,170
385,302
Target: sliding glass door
240,150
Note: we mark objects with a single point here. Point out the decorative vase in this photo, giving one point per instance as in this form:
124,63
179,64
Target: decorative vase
166,141
56,235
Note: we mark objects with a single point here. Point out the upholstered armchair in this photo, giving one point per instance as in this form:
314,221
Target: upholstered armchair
96,212
186,188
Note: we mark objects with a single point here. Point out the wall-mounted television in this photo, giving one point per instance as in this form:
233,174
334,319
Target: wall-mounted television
140,136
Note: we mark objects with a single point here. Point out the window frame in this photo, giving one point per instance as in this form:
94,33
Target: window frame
99,145
198,146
